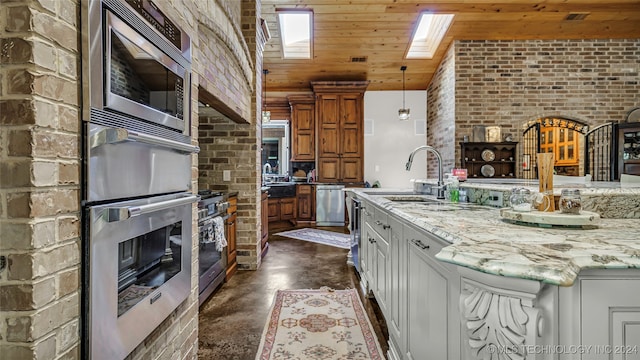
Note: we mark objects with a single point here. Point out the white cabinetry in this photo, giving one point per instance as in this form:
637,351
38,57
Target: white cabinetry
436,310
376,237
397,319
432,295
606,306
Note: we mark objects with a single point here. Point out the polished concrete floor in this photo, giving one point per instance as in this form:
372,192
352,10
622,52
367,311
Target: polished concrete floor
231,321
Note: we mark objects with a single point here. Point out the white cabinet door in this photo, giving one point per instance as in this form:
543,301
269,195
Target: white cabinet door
370,266
396,321
433,322
381,273
611,318
365,245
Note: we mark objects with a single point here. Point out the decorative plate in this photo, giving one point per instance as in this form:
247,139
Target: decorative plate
487,170
633,115
488,155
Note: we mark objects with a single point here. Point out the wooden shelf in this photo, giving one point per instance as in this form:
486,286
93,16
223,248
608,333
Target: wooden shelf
504,163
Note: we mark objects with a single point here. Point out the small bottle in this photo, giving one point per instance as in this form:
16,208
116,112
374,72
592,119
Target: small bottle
570,201
454,192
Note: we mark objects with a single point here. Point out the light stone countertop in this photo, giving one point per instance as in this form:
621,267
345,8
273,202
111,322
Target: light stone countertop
610,199
483,241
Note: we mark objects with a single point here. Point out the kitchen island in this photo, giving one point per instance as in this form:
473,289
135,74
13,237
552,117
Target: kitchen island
456,281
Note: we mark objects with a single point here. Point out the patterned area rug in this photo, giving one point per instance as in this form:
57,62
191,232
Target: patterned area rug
322,324
319,236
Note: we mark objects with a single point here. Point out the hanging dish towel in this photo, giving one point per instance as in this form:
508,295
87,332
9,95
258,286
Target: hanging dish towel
218,230
206,232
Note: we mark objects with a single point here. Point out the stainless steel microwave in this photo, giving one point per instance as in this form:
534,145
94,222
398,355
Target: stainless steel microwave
140,65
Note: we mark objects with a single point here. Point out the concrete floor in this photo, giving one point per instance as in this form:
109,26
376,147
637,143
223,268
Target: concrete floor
231,321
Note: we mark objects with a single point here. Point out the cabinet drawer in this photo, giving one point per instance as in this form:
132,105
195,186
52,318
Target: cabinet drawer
368,213
304,189
423,244
381,222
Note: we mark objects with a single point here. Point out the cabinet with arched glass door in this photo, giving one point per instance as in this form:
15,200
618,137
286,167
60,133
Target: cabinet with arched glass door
564,143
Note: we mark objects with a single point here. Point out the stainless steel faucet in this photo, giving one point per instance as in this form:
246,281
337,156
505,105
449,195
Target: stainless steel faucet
439,157
266,168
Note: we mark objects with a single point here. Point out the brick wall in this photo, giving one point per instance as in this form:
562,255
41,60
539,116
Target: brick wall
510,83
226,145
39,180
441,118
40,240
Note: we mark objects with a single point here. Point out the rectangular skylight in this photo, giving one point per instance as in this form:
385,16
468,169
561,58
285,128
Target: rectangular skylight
427,36
295,33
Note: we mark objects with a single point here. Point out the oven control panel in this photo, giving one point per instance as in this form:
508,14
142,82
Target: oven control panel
158,20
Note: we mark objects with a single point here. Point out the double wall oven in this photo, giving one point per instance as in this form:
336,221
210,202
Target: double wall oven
137,199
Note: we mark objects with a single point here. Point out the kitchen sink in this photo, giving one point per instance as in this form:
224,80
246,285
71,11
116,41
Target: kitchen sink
281,190
426,203
388,192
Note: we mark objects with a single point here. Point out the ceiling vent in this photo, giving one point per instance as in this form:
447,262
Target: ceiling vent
576,16
358,59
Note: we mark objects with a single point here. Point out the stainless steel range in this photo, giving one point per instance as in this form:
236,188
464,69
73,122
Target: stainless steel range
137,199
212,212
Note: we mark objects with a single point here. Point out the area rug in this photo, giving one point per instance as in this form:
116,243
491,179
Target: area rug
321,324
319,236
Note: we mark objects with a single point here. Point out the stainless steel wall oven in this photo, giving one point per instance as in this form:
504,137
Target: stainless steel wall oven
140,269
137,199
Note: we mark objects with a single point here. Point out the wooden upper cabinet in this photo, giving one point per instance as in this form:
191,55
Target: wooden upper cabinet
340,130
351,106
303,124
563,142
329,109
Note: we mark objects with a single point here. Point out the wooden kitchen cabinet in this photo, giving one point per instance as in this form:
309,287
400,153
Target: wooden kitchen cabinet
306,199
282,209
231,227
303,113
340,133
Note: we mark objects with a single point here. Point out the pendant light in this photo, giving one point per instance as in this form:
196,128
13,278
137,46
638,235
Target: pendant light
266,115
403,114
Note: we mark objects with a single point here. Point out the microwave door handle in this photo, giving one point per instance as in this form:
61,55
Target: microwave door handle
117,135
115,214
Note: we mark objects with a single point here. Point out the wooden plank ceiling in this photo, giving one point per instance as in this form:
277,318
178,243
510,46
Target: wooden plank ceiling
379,32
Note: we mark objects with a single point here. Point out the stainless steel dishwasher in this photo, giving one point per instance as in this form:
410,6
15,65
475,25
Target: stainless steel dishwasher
329,205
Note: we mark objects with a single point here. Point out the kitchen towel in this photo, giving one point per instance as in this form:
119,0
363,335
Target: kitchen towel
218,230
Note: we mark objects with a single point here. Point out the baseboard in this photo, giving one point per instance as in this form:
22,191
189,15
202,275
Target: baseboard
393,353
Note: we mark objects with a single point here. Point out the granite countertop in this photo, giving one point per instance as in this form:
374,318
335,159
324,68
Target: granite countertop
481,240
590,188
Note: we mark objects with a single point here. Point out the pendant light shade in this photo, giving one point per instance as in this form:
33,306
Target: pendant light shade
403,114
266,115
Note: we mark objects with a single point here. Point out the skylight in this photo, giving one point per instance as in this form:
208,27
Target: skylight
295,33
430,31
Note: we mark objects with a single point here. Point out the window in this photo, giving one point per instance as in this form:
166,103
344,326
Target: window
295,33
428,35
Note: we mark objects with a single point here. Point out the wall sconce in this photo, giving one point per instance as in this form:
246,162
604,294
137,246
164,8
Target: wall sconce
403,114
266,115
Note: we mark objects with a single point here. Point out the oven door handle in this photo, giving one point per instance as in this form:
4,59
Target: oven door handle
118,135
115,214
